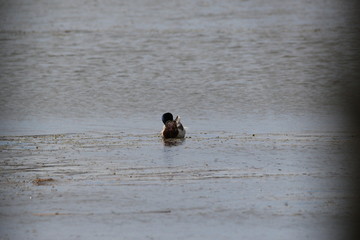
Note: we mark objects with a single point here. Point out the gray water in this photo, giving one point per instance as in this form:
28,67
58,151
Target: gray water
240,61
259,84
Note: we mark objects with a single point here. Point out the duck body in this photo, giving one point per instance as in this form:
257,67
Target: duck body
172,128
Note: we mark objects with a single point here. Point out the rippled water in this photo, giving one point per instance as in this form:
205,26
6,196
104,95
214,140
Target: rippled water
240,61
259,84
213,185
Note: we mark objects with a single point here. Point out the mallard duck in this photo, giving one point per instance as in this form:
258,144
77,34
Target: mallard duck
172,128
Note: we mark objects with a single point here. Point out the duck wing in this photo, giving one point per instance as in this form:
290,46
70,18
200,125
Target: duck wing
180,127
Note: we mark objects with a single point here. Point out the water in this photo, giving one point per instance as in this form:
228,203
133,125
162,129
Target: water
258,84
231,60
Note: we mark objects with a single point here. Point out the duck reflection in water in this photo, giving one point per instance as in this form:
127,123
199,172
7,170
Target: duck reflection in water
169,142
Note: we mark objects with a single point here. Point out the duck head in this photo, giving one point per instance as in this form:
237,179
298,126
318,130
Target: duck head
167,117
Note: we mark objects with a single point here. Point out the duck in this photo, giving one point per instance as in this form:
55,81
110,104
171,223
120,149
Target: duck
172,128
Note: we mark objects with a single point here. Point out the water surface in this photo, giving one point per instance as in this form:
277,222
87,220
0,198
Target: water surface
83,85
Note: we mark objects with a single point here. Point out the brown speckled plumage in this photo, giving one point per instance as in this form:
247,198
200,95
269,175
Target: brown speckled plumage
172,128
